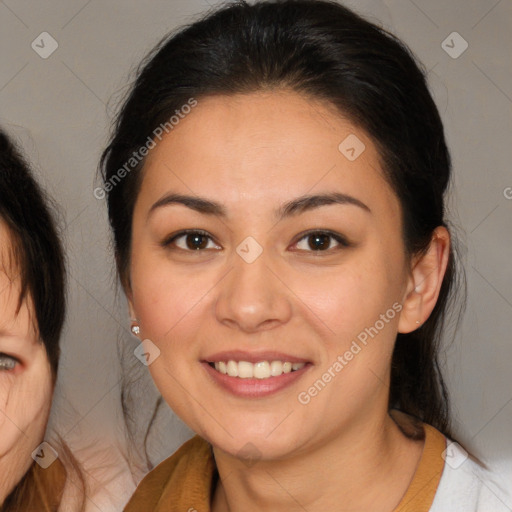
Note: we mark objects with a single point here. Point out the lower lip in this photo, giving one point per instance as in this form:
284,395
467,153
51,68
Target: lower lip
255,388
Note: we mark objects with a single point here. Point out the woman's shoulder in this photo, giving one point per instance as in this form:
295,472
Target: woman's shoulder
190,469
448,478
468,486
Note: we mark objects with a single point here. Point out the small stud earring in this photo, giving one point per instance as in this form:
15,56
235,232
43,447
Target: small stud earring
417,321
135,330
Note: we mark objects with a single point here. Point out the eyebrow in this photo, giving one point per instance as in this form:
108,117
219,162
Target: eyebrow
288,209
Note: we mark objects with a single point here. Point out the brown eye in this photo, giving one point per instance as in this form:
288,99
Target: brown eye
195,242
189,240
320,241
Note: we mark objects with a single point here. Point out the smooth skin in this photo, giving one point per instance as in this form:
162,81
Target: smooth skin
26,389
252,153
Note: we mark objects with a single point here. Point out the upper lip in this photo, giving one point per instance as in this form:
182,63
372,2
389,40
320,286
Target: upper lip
253,357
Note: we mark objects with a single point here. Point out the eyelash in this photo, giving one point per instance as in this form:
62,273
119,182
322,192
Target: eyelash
344,243
4,357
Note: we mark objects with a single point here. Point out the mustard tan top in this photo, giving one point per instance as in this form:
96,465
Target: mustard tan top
186,480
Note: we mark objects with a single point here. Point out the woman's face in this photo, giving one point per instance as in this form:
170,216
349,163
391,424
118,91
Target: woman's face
25,376
259,289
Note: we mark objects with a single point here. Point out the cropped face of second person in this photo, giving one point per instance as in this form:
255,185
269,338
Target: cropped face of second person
26,381
328,269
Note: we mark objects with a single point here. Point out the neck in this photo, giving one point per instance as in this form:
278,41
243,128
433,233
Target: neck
366,467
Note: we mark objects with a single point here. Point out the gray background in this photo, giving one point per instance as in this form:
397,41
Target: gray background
60,109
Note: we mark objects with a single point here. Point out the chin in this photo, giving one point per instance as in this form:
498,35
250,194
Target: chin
252,444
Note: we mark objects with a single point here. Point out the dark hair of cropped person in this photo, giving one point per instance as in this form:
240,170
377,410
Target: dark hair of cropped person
38,256
37,248
324,51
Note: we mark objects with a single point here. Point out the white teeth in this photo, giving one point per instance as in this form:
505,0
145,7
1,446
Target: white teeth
232,369
276,368
262,370
245,370
259,370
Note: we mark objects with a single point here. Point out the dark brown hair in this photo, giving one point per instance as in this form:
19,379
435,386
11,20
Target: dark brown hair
322,50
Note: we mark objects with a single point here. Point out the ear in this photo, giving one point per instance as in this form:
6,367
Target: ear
131,307
424,282
126,285
134,322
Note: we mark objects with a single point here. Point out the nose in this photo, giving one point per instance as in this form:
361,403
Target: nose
253,296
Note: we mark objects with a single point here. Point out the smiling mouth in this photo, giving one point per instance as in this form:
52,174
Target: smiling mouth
259,370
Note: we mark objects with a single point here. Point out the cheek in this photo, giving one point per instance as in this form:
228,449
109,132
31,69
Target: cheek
167,297
359,304
26,401
164,300
351,297
6,383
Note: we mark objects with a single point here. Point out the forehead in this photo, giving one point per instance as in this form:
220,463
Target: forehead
253,148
